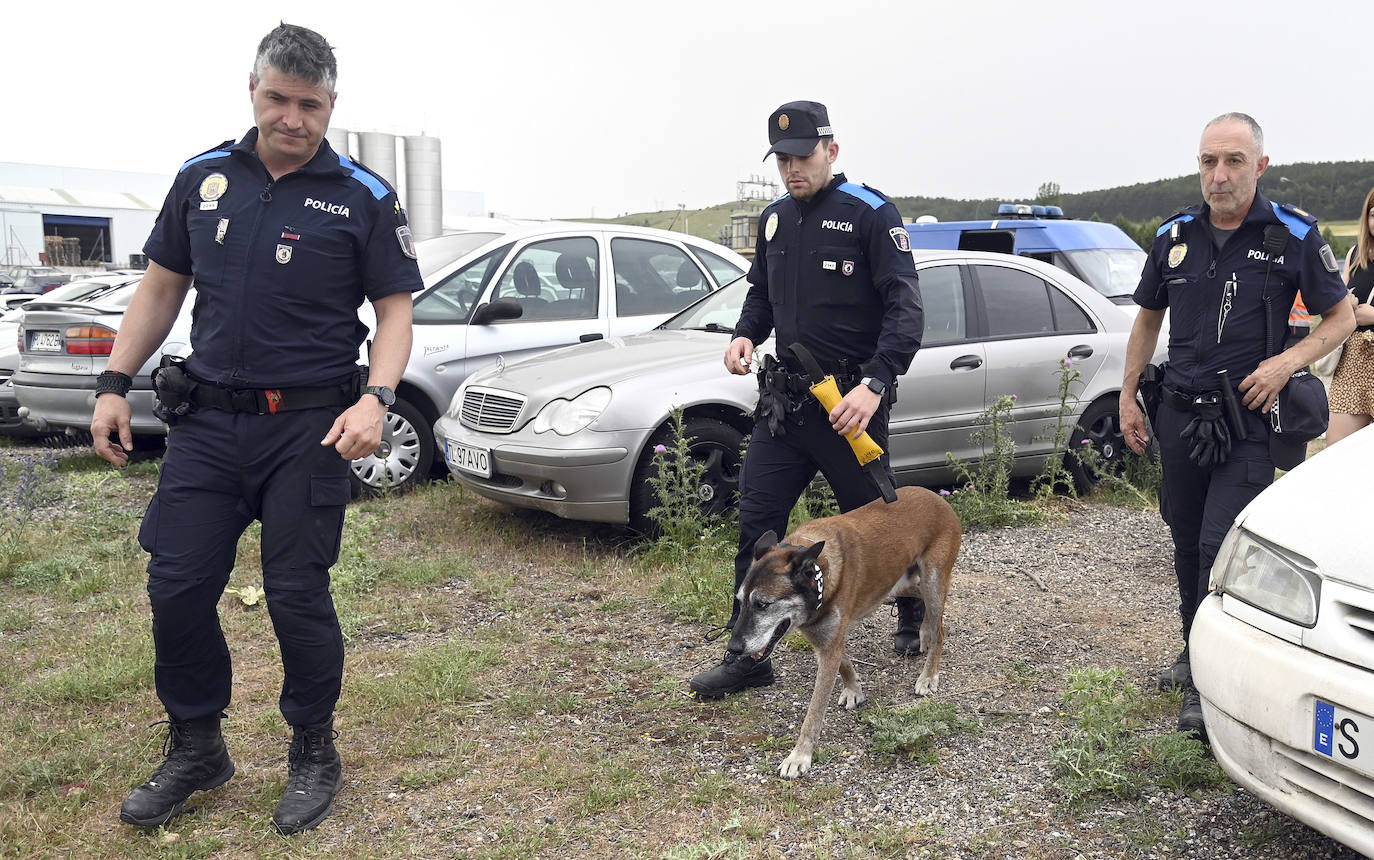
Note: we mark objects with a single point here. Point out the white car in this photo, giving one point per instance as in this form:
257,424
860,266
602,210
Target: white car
1283,649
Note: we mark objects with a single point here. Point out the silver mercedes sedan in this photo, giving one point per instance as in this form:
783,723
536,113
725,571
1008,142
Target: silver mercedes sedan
573,431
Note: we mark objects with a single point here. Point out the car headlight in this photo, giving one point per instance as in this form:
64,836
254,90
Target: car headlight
1268,577
566,417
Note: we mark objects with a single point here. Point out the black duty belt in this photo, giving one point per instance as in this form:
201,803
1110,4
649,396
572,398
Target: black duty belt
264,401
1185,402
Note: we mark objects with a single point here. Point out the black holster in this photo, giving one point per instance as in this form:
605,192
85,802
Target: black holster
1150,384
172,386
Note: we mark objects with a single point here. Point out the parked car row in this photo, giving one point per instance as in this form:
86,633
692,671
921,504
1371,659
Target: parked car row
573,431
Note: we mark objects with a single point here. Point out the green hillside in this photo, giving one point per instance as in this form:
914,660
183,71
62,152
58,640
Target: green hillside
1330,190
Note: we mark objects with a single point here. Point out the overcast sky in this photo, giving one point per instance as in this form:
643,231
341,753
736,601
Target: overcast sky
590,107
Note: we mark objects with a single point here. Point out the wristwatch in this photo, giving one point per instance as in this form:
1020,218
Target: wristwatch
876,385
384,394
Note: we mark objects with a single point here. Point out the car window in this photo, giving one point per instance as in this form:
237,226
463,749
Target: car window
450,301
553,280
1113,272
433,254
1068,316
719,311
654,278
942,298
722,269
1017,302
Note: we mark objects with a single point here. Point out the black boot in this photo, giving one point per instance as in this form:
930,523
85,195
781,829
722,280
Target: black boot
911,611
736,673
1190,718
196,760
314,776
1178,675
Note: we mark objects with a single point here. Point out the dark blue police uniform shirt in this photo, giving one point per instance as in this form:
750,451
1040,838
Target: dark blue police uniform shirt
281,267
835,274
1216,315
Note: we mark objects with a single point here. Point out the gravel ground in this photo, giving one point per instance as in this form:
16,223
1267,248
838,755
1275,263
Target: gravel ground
1027,606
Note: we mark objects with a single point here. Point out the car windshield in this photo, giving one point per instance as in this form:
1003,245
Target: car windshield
1113,272
717,312
434,254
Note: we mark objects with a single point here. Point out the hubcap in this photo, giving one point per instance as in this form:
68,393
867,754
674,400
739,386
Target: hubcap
394,462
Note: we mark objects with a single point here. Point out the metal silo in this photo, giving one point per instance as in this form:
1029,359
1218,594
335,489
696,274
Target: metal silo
378,151
338,141
424,187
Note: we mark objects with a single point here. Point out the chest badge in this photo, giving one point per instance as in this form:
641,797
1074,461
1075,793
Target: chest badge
770,228
1177,253
847,268
213,187
283,254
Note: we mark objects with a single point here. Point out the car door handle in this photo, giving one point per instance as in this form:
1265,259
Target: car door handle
596,335
966,361
1081,351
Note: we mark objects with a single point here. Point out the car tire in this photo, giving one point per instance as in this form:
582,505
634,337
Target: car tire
713,443
1100,425
404,457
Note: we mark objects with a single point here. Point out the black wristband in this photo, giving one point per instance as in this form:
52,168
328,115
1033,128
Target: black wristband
113,382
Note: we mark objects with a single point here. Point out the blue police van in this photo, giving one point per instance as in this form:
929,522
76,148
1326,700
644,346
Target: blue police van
1100,254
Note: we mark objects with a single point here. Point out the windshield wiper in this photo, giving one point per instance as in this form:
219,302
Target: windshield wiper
717,328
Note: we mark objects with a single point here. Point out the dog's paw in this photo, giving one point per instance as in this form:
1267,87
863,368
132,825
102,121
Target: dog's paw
851,699
925,686
794,765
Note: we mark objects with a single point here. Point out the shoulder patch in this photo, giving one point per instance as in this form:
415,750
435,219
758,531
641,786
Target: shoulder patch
1181,218
859,191
370,180
1298,224
221,151
900,238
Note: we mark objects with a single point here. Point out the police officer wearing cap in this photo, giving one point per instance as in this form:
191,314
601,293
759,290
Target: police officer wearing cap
832,272
284,239
1214,266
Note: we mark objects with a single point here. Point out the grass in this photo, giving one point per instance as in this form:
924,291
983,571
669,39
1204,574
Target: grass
514,687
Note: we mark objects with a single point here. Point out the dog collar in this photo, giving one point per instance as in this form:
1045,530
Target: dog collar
820,584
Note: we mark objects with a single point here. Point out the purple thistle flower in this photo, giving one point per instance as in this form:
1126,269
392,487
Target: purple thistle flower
659,449
944,492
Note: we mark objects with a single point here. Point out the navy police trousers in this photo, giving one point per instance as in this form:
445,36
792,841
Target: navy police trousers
777,469
1202,503
222,471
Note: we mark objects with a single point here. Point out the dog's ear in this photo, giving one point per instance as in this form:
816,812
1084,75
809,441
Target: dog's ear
766,541
811,553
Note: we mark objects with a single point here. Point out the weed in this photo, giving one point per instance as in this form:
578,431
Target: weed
983,500
712,849
1134,484
21,496
1105,754
911,733
675,480
1055,476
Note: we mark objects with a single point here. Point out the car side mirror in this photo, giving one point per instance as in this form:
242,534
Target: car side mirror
501,309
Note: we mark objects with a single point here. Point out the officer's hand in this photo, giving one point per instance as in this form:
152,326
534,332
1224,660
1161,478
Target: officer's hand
850,416
358,431
1263,386
112,416
738,356
1133,425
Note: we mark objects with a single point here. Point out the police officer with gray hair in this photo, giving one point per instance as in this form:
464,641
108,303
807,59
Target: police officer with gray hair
834,281
1229,271
284,239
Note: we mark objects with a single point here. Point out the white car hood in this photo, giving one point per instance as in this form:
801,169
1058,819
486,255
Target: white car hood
1321,510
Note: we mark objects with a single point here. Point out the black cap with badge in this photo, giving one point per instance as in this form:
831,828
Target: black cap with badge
796,128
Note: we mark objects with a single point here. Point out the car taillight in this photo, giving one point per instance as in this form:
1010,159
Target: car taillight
90,340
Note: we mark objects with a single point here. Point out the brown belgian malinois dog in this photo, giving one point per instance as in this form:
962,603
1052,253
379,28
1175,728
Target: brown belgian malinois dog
833,571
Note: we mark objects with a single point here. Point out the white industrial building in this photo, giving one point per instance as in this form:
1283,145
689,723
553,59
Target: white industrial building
111,212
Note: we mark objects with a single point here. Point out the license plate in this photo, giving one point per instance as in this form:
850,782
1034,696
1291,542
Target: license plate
468,458
46,341
1344,736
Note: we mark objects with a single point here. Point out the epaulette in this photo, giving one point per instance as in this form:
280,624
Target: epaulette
220,151
374,183
864,193
1298,222
1179,218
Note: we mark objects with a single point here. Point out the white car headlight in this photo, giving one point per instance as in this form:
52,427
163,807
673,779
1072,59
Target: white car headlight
566,417
1267,577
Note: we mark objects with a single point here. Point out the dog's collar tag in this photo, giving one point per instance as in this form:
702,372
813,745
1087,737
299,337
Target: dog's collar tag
820,583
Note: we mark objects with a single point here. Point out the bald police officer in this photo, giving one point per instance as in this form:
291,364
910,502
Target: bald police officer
284,239
1214,266
833,273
